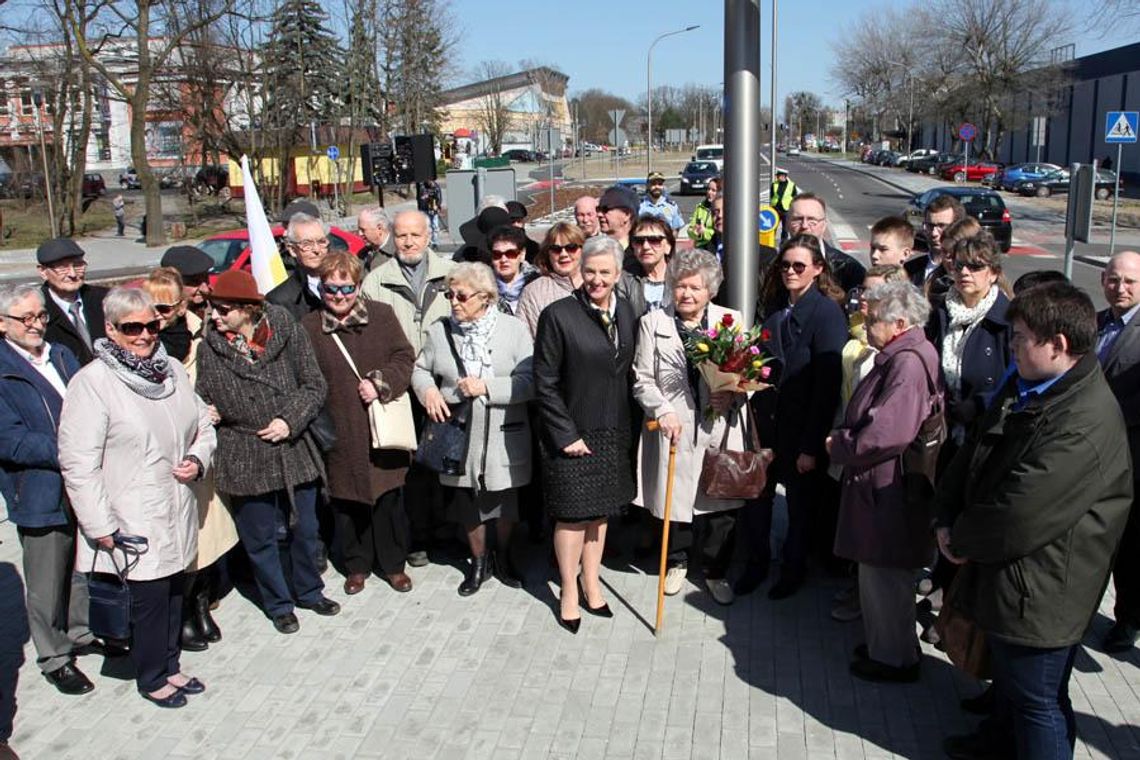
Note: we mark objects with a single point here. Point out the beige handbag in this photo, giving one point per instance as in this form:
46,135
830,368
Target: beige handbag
391,424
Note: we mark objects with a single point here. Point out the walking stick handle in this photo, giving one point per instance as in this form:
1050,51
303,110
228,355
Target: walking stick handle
652,426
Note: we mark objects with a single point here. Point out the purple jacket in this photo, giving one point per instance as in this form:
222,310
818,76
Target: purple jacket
876,526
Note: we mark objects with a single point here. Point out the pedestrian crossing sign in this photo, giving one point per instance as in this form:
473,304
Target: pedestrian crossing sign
1120,127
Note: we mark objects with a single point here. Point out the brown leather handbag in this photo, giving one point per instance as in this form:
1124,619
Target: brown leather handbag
963,641
736,474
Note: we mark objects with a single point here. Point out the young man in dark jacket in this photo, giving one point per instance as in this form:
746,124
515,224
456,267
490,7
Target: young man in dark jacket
1033,507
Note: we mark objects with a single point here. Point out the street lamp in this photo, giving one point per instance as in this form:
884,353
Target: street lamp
649,94
38,101
910,116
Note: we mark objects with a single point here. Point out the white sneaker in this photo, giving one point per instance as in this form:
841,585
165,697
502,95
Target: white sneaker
675,579
721,591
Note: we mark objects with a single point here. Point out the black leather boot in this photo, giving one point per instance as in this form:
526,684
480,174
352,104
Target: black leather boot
505,570
202,617
191,639
477,572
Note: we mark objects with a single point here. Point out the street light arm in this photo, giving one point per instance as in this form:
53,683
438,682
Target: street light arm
649,95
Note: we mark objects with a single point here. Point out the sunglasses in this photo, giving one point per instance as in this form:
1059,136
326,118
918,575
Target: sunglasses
135,329
651,239
223,308
509,253
453,295
569,248
794,266
165,308
973,266
333,290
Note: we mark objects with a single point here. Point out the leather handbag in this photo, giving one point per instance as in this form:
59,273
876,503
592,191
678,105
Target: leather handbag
109,607
323,430
391,425
729,474
443,446
963,641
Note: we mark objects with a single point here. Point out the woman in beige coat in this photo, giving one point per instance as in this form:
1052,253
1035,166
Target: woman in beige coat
672,392
133,437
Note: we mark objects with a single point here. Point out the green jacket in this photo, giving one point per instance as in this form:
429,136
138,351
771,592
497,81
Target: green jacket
1037,500
702,215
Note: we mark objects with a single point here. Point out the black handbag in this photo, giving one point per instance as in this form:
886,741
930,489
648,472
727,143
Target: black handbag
443,445
323,430
109,609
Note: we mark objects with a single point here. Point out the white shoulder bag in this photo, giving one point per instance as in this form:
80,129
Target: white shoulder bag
391,424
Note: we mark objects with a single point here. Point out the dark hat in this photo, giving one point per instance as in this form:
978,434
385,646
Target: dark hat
58,250
299,207
655,176
492,217
516,210
188,260
236,285
619,197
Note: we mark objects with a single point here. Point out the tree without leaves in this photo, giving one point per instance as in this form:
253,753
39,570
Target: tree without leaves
594,106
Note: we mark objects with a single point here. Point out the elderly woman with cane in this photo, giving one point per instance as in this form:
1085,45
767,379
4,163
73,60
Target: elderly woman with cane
133,438
674,394
583,356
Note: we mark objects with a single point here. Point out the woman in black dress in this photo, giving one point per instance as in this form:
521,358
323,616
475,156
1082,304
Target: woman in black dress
582,359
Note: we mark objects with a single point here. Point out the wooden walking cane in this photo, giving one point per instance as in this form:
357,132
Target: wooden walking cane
652,426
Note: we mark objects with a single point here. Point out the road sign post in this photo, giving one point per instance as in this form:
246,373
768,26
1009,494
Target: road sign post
333,154
1078,212
1120,127
967,132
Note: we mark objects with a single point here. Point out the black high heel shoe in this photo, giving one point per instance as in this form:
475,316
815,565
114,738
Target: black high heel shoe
603,610
569,625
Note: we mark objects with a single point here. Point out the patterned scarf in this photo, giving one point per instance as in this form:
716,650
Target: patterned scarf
963,321
472,343
150,377
253,348
330,322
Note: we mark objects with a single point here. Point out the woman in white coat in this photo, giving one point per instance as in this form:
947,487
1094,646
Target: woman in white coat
133,437
671,391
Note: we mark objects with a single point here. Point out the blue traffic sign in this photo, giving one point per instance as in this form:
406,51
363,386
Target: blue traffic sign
967,131
1120,127
333,153
768,219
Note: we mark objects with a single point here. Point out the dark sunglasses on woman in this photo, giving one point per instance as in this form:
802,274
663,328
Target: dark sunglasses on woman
651,239
135,329
452,295
973,266
796,266
510,253
223,308
569,248
332,290
165,308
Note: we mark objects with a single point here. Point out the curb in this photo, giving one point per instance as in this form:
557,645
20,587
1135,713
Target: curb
1090,260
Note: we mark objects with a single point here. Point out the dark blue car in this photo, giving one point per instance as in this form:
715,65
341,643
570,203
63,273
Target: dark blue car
1008,178
696,175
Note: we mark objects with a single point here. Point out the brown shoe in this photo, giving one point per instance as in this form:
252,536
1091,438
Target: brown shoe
400,582
354,583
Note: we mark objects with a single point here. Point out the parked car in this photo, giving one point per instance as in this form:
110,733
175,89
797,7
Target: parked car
915,155
93,185
887,158
983,204
1058,182
129,180
167,178
1014,173
212,179
929,164
971,172
230,250
696,175
794,150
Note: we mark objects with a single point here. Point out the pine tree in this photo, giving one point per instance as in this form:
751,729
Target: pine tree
302,67
362,97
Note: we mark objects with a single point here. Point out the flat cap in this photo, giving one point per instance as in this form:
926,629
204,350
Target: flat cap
58,250
655,177
188,260
516,210
619,197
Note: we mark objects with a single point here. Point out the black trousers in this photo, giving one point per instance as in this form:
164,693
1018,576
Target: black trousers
1126,571
373,537
156,621
705,543
801,493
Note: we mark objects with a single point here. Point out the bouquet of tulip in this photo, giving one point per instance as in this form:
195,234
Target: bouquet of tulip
729,358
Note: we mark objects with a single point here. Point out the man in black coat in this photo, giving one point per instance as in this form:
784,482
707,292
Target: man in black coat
307,240
808,215
75,309
373,224
1118,348
940,214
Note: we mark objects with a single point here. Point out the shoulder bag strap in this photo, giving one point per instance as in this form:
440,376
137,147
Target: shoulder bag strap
748,425
347,358
931,385
454,352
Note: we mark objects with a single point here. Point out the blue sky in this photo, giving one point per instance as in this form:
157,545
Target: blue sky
604,43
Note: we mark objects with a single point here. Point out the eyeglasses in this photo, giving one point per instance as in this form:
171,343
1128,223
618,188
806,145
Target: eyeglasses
569,248
795,266
651,239
807,221
135,329
223,308
166,308
510,253
334,290
973,266
63,267
455,295
310,245
27,320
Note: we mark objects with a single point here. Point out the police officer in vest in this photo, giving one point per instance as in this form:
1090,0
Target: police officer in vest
783,192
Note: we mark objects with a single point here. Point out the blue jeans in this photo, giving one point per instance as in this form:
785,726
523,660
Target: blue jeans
1033,698
283,557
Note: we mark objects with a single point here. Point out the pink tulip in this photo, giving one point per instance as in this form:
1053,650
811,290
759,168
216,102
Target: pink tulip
754,350
713,333
765,372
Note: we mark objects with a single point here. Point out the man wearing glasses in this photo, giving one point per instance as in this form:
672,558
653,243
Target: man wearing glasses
940,214
307,240
74,308
808,216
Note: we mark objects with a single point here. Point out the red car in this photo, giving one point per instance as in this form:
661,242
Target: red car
975,172
230,250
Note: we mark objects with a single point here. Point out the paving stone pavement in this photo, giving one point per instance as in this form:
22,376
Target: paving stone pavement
432,675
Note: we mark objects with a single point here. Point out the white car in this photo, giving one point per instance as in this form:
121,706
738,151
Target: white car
793,151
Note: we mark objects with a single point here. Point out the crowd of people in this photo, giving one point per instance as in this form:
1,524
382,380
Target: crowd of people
936,432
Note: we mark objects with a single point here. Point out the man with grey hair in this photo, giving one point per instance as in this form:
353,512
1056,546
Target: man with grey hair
413,284
33,379
376,229
307,241
75,308
586,215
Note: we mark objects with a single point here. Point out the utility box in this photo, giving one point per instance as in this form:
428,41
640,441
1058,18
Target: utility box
1078,212
465,188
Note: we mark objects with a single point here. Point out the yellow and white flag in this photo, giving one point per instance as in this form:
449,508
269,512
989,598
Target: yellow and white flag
264,258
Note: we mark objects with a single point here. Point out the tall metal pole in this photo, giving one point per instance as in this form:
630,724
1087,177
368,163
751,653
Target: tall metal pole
37,101
649,94
741,153
910,120
772,98
1115,202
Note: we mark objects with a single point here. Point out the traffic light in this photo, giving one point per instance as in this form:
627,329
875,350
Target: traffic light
410,159
379,164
